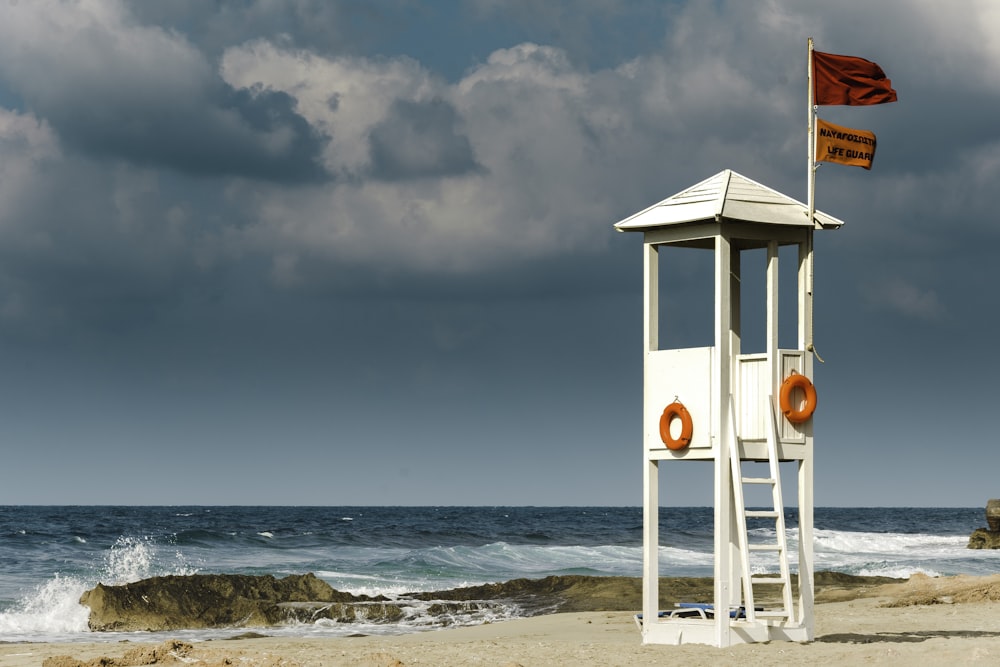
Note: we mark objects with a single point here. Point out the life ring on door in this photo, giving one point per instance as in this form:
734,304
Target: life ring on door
803,413
676,409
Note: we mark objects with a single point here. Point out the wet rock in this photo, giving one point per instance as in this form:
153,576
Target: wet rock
984,539
233,601
206,601
341,612
993,514
562,593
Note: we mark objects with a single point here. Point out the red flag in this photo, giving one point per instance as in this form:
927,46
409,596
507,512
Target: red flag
849,80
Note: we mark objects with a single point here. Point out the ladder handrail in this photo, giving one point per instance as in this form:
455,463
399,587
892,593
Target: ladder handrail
777,513
772,455
735,457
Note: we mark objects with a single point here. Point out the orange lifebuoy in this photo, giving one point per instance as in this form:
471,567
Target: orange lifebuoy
676,409
803,413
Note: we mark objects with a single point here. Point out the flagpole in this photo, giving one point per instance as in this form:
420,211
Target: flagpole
853,82
811,198
811,148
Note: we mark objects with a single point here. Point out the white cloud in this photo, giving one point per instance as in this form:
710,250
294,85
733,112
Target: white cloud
964,40
552,142
341,98
560,151
52,49
526,114
111,87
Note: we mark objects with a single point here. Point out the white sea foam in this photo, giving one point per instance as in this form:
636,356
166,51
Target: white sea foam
51,609
528,560
832,541
416,618
129,559
895,570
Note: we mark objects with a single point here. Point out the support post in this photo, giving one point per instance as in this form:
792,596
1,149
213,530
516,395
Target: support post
772,316
723,519
650,470
806,582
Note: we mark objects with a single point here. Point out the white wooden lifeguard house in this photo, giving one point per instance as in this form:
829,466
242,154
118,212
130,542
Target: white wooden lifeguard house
719,405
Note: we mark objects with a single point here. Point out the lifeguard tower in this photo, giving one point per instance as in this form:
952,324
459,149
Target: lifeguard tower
737,411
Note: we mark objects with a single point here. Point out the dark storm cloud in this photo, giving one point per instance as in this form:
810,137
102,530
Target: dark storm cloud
329,27
120,89
420,140
930,135
335,318
254,134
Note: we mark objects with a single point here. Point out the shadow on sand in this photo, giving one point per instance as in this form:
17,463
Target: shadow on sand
902,637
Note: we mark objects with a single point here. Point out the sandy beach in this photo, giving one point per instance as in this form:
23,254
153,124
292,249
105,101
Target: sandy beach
926,621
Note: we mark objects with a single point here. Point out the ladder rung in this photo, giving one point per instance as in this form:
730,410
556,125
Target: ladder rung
772,613
758,480
762,514
764,547
768,580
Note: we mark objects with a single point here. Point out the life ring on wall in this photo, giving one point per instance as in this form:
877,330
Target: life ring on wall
676,409
791,383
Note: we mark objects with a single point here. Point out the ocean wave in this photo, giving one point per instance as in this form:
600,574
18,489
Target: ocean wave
51,609
53,554
895,543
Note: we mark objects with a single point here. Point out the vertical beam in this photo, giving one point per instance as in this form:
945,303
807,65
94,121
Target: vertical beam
774,361
735,336
650,545
806,499
735,283
772,315
806,574
722,371
651,297
805,292
650,470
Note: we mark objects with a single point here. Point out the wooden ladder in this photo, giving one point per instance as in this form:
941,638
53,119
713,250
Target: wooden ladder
779,548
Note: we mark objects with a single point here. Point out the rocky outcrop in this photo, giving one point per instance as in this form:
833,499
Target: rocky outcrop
219,600
231,601
988,538
982,538
993,514
565,593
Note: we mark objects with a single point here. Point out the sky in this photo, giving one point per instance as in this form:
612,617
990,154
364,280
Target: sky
362,253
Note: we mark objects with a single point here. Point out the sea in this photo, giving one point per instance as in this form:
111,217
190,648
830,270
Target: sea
50,555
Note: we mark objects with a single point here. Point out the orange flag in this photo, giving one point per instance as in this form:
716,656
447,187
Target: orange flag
849,80
844,145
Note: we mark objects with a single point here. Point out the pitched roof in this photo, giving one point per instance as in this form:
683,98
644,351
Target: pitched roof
726,196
